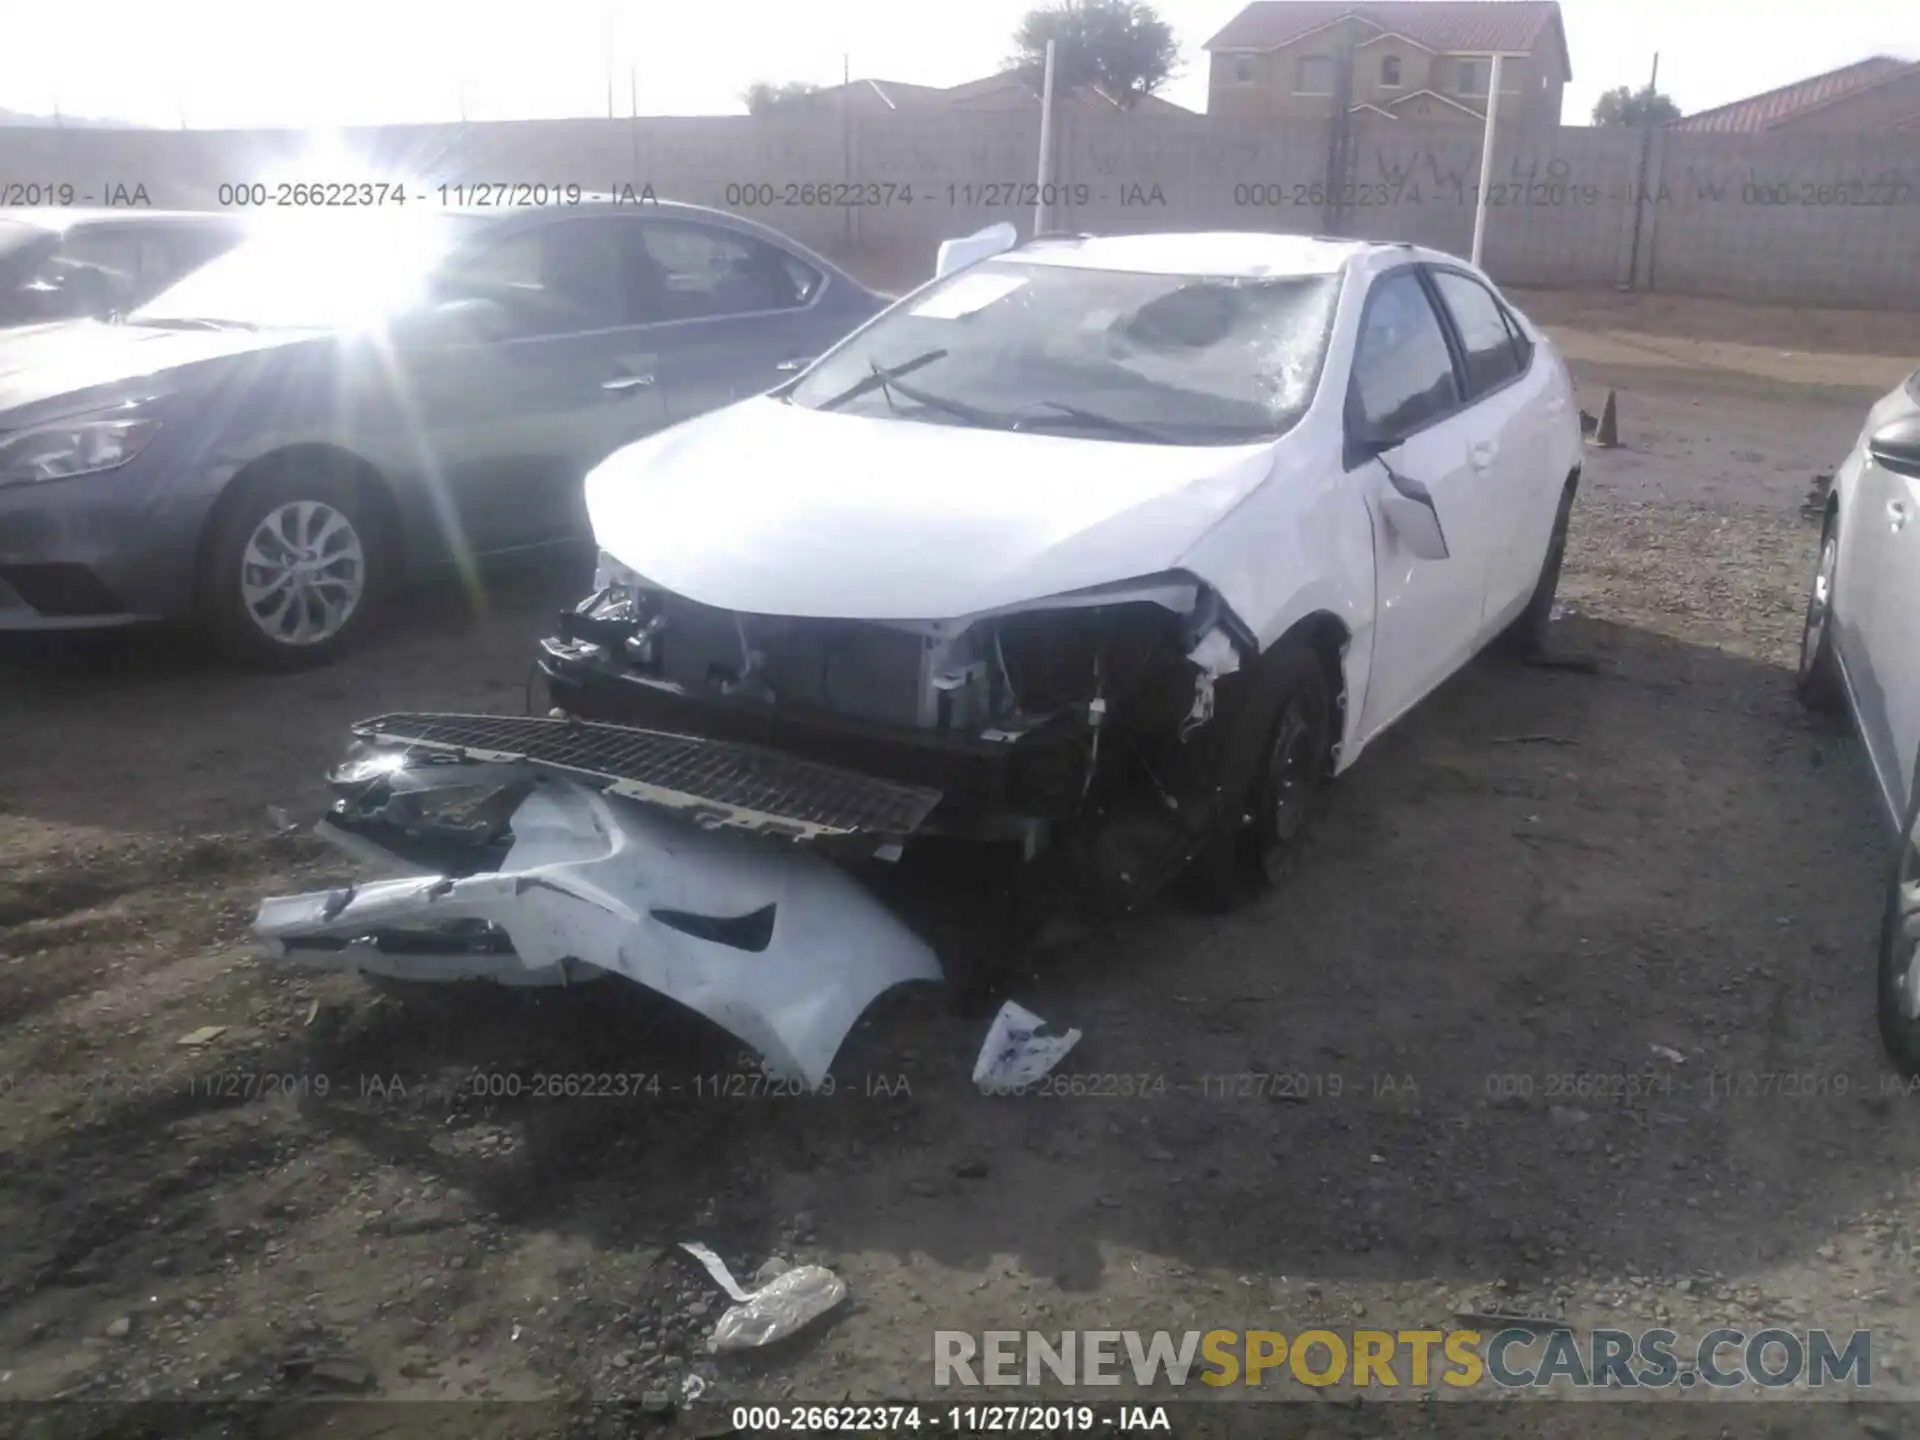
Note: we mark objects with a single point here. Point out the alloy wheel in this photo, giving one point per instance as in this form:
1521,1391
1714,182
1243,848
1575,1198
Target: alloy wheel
303,573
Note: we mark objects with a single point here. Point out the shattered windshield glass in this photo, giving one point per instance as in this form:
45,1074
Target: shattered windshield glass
1147,358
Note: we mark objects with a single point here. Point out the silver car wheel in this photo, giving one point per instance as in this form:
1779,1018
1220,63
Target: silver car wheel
1819,604
303,573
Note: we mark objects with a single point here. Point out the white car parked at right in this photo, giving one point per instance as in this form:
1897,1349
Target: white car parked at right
1860,652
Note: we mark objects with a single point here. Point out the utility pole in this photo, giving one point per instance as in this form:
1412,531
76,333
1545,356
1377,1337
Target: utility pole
1046,145
1486,161
850,222
1640,181
606,48
1340,157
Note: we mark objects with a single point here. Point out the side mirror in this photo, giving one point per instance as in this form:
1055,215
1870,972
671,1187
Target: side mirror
1895,446
1408,507
1365,443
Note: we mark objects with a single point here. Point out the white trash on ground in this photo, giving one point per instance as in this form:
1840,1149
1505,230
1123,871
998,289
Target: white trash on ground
784,1306
1016,1053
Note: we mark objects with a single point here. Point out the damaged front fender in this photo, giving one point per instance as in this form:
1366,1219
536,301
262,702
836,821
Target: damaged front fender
769,940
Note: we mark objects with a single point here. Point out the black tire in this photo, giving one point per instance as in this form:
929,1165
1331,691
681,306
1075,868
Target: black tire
1817,681
1900,918
341,570
1527,634
1258,842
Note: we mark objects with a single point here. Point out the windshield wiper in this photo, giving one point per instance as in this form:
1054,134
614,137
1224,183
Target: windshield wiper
880,379
957,408
1093,420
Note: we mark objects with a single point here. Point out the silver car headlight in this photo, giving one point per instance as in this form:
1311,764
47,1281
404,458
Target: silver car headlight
619,594
83,445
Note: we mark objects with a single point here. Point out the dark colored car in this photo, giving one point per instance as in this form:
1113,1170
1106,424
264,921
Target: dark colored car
339,403
71,264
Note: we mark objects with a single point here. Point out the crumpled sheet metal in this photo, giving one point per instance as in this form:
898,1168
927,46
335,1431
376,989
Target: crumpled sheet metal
577,890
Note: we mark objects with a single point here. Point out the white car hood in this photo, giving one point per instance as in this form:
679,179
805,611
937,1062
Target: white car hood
773,509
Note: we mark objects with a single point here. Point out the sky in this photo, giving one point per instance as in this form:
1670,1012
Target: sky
221,63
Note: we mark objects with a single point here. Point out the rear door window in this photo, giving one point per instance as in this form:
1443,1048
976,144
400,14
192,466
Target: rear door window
1488,337
565,277
687,271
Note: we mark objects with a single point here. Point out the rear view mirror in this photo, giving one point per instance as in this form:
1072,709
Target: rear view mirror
1895,446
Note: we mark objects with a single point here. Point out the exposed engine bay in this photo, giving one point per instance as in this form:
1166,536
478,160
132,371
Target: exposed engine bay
1052,724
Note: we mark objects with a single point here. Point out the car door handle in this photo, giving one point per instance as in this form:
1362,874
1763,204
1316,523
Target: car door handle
789,367
1898,513
1481,456
626,384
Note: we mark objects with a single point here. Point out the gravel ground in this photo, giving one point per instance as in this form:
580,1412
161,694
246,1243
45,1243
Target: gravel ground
1557,933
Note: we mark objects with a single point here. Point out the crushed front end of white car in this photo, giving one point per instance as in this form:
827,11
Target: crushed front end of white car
836,630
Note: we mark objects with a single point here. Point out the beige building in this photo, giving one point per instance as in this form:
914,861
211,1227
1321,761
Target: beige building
1423,60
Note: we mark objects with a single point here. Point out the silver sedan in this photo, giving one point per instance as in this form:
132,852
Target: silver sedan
272,443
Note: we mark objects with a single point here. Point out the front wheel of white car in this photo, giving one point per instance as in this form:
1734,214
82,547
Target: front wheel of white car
1259,841
1818,679
1898,981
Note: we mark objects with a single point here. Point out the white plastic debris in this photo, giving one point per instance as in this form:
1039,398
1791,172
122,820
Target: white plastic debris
716,1267
1213,657
580,895
971,249
792,1302
784,1306
1016,1054
692,1388
1669,1054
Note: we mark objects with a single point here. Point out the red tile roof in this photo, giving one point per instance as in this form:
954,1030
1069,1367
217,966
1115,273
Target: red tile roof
1775,107
1508,26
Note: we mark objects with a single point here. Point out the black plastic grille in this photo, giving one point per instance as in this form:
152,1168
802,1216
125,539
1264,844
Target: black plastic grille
60,591
719,782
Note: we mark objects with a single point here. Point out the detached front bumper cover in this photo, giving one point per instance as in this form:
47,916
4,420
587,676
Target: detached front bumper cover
766,938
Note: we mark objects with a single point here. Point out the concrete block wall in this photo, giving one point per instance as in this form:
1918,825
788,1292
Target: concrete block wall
1809,219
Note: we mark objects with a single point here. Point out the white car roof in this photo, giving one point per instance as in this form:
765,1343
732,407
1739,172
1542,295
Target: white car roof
1222,252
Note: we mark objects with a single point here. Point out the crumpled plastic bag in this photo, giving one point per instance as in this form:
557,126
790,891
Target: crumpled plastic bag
1018,1052
784,1307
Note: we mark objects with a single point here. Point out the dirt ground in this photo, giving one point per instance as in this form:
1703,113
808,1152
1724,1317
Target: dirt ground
1542,874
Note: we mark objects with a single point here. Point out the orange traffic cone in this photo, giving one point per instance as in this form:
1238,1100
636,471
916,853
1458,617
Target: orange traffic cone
1607,434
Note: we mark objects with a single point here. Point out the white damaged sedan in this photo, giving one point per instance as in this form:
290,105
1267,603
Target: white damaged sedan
1106,552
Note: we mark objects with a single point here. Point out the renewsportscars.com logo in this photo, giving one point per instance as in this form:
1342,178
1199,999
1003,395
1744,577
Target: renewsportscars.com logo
1518,1357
